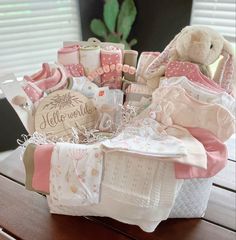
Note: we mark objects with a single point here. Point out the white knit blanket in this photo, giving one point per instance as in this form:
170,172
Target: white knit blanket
134,190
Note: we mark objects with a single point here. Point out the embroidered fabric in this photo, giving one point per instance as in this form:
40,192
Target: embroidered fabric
146,138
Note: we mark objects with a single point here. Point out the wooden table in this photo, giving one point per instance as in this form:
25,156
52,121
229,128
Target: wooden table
25,214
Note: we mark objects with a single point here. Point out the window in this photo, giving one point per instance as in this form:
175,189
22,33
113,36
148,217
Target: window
218,14
32,31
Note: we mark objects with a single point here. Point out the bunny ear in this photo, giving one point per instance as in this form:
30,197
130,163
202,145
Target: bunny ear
225,70
152,68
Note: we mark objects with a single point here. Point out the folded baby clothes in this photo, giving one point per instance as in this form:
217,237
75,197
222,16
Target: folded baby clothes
216,156
143,138
202,93
138,89
49,80
33,92
42,166
135,93
41,74
90,60
174,105
130,58
144,60
37,161
28,159
146,138
76,172
192,72
111,55
69,57
196,154
134,190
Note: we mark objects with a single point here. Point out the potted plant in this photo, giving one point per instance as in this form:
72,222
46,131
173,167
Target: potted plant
117,22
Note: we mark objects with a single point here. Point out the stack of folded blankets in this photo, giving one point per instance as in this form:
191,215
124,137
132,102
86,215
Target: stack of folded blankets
160,165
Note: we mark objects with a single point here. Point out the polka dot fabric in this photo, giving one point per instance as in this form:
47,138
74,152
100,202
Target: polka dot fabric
192,72
109,56
74,70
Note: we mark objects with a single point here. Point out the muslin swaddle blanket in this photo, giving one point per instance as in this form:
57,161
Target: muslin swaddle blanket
76,172
90,59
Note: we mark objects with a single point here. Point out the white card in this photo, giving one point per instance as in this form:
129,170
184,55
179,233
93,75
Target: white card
12,88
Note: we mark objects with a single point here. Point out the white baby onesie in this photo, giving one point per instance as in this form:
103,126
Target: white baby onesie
175,106
202,93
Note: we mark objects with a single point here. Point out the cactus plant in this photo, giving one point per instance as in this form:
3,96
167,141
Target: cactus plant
117,22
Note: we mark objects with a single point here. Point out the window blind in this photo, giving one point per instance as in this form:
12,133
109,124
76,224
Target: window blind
218,14
31,31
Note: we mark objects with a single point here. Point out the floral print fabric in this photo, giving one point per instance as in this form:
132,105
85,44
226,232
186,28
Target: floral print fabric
76,172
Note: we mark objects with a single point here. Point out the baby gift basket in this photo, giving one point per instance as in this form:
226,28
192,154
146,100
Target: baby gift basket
134,139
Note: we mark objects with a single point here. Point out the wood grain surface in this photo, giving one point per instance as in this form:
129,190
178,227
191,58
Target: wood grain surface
21,211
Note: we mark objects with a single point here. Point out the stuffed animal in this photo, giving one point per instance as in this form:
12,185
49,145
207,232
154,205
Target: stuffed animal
196,44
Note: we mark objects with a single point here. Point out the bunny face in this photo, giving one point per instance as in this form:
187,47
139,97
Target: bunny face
200,45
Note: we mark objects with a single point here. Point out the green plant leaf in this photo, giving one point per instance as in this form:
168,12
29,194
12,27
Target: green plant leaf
127,46
113,38
133,42
110,12
126,18
98,28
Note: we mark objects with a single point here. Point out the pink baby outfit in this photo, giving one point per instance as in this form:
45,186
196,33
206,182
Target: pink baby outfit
42,166
49,79
111,56
41,74
69,57
174,106
216,156
192,72
201,93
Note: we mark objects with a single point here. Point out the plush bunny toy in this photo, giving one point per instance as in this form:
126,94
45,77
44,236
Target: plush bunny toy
196,44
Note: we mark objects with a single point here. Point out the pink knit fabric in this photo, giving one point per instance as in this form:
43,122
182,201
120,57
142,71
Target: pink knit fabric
109,56
69,57
42,165
216,156
41,74
74,70
192,72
